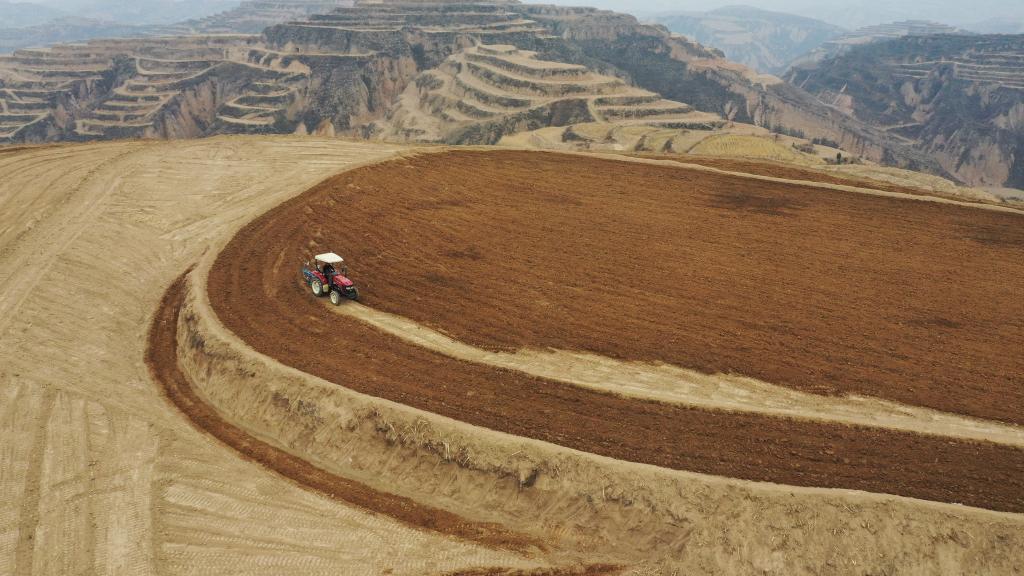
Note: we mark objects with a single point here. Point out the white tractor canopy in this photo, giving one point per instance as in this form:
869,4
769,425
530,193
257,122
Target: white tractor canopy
329,258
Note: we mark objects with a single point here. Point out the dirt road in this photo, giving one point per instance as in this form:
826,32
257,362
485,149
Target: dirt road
98,472
718,273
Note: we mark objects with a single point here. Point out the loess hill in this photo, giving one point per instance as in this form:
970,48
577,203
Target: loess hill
347,71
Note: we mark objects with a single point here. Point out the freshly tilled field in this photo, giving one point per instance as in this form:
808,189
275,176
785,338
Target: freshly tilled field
824,291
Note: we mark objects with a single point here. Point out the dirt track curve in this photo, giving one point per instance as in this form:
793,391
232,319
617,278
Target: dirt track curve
818,290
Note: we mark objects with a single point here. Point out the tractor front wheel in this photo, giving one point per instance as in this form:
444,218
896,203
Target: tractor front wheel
353,294
318,287
335,297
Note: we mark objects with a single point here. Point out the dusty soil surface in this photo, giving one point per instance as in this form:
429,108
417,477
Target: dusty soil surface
98,472
822,291
432,238
162,358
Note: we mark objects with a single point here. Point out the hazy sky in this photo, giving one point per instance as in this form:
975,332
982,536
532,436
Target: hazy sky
851,14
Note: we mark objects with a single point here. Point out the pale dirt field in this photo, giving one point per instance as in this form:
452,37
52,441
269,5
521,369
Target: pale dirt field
98,472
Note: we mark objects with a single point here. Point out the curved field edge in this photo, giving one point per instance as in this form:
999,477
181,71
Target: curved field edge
596,507
162,358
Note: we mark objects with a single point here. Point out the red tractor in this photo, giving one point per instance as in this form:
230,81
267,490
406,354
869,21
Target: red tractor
327,277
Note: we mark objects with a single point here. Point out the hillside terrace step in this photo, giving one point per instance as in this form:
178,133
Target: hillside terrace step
149,96
258,100
541,87
22,107
119,115
248,108
174,64
63,74
10,118
44,64
496,49
266,89
691,121
528,67
487,94
32,94
106,124
636,99
246,122
455,115
659,108
477,110
127,105
240,111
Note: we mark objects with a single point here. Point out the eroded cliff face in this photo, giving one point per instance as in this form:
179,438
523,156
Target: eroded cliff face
683,70
958,99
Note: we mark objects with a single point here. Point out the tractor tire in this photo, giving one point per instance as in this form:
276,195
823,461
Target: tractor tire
317,286
354,294
335,297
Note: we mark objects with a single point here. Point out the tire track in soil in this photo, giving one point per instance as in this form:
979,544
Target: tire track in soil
28,515
77,218
161,357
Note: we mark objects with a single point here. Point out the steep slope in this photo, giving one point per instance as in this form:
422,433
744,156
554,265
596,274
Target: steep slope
763,40
960,99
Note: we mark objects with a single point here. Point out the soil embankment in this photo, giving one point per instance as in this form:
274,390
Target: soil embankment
162,358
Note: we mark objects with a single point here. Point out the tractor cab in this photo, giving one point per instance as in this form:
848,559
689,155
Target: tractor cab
328,276
330,264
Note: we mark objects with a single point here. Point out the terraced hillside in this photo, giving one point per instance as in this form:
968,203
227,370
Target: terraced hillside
487,91
959,99
172,87
345,73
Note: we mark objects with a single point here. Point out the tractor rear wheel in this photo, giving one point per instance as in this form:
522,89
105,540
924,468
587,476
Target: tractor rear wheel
335,297
317,287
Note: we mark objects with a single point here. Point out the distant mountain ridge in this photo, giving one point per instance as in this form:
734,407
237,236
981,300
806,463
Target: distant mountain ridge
763,40
957,98
20,14
876,33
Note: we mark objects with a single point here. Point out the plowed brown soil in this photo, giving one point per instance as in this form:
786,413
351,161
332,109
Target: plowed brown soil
161,356
717,273
819,290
